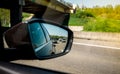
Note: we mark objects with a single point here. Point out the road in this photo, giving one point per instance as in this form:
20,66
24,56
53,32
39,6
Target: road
86,57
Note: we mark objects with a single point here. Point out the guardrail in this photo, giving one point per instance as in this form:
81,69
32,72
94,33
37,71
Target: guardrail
98,36
106,36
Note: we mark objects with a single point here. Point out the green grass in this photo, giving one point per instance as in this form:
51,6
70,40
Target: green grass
26,15
78,21
103,25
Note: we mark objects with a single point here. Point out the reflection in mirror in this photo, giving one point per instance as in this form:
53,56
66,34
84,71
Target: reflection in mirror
47,40
58,37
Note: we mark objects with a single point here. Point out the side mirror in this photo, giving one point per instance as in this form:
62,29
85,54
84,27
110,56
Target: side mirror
43,39
49,40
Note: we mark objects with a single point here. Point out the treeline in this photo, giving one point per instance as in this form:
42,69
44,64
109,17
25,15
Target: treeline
106,12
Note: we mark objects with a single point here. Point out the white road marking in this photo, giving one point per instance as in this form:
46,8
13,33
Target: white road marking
96,45
8,70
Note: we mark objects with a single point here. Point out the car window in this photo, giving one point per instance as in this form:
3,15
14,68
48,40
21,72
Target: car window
46,32
37,34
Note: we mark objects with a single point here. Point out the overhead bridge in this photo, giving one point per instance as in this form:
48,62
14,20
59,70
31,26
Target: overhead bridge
59,5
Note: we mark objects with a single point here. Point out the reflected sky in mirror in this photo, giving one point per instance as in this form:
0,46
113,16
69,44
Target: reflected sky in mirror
54,30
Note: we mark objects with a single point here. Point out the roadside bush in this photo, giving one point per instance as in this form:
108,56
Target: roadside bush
84,14
80,18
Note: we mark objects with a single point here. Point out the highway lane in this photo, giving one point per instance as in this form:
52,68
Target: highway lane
87,57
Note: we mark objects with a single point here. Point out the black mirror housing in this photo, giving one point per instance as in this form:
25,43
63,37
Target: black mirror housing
46,39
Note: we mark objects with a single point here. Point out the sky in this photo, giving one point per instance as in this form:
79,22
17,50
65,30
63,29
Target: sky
54,30
91,3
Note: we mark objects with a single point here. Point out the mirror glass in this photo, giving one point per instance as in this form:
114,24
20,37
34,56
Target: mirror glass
58,37
47,39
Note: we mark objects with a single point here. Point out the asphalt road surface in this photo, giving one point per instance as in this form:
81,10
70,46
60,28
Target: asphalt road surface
86,57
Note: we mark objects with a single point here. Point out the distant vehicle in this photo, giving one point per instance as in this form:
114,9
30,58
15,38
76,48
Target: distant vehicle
63,40
55,41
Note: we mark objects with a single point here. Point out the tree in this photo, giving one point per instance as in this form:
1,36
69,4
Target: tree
117,9
5,17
